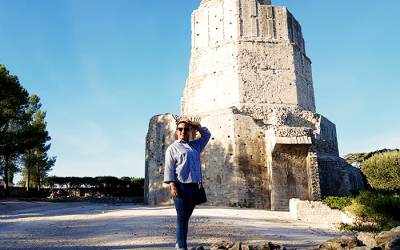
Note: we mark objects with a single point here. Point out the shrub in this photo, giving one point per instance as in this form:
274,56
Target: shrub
383,170
387,207
377,209
359,210
366,197
362,203
339,202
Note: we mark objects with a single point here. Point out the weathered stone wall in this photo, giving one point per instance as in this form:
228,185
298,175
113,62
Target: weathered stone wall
337,177
268,75
15,192
20,192
290,174
234,170
294,165
258,161
247,52
325,138
257,158
160,134
247,161
316,211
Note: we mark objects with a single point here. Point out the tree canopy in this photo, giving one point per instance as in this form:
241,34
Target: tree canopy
358,158
22,128
36,163
383,170
14,100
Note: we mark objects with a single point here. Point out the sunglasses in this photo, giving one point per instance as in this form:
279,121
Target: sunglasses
185,129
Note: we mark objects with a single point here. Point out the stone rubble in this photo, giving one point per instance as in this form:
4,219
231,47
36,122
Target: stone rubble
388,240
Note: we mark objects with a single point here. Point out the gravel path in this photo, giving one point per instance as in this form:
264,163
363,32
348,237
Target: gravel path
45,225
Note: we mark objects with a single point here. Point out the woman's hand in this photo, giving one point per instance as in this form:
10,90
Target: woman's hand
191,124
174,193
174,190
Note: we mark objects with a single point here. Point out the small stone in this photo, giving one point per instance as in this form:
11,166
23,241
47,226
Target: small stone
244,247
343,242
362,248
366,239
388,236
197,248
393,245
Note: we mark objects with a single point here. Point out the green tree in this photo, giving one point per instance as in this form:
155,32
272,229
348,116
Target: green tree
356,159
50,181
383,170
41,168
124,181
89,181
107,181
11,169
13,102
36,162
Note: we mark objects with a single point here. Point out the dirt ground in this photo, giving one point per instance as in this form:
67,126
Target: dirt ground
52,225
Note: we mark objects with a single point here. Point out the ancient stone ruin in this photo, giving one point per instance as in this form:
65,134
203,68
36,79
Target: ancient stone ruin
250,83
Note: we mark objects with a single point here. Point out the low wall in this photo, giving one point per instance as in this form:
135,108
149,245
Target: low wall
20,192
317,211
98,199
102,192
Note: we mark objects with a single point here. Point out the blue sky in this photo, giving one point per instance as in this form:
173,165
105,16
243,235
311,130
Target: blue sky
103,68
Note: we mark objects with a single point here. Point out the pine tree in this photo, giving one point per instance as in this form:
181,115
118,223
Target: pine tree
36,163
13,102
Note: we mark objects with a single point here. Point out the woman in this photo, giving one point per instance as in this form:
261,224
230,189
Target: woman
183,173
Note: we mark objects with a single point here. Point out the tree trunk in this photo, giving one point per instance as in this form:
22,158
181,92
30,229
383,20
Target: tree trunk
5,175
28,180
38,177
38,184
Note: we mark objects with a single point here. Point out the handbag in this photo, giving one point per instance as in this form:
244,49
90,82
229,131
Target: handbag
202,193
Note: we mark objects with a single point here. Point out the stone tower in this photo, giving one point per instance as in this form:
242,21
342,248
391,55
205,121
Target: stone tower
247,53
250,83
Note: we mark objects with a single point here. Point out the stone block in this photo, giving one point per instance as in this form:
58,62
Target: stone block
317,211
367,239
226,245
293,140
388,236
393,245
364,248
343,242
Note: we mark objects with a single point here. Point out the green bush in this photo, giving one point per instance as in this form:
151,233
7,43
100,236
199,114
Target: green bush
362,204
361,211
339,202
387,207
383,170
378,206
366,197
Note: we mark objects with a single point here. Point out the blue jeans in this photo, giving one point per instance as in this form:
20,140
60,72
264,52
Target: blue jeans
184,205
